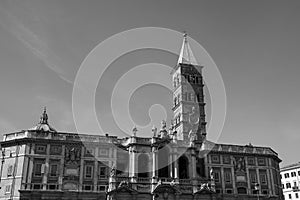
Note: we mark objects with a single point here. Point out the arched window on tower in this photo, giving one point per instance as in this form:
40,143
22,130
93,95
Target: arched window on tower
178,79
175,101
183,164
178,97
174,82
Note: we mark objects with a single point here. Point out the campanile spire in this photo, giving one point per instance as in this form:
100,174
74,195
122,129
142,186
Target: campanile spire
188,96
186,55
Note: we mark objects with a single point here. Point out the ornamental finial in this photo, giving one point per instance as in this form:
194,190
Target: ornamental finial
44,117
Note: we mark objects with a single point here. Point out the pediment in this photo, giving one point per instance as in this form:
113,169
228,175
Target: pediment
162,188
123,189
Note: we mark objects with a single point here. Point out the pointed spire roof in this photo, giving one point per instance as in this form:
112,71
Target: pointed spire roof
186,55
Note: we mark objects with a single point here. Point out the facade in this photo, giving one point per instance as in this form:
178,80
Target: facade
290,179
175,163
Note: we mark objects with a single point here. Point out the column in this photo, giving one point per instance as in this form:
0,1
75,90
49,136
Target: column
248,177
25,170
95,174
222,179
193,172
30,168
233,181
154,162
61,169
269,182
134,172
130,161
193,164
81,169
175,166
258,180
46,168
30,171
171,165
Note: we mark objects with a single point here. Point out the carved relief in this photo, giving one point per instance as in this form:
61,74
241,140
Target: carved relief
239,164
73,154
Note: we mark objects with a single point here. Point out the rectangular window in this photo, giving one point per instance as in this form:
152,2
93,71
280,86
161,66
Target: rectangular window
290,196
101,187
286,175
261,161
215,159
53,170
87,187
7,189
52,187
288,185
55,150
38,169
40,149
226,159
253,177
9,171
89,151
298,173
265,192
217,176
88,171
227,176
103,152
282,186
102,172
297,196
229,191
251,161
293,174
263,179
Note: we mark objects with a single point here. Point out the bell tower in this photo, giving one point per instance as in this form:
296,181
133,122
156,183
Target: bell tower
188,96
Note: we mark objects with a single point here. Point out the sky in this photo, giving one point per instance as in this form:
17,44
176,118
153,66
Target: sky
255,45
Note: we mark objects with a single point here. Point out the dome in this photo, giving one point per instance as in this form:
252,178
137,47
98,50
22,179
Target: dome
43,124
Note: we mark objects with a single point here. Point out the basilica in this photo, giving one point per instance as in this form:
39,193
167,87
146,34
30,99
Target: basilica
177,162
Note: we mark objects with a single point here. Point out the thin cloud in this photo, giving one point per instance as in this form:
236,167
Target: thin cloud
33,42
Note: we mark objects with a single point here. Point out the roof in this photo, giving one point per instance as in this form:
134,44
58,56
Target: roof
291,166
186,55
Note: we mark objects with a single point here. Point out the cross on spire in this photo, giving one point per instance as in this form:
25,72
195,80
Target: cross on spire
186,55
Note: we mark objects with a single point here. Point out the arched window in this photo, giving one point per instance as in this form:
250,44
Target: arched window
178,97
143,168
183,170
178,78
174,82
175,101
163,162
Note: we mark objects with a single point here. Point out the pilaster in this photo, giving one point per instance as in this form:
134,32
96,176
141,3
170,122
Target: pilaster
46,168
61,168
81,168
